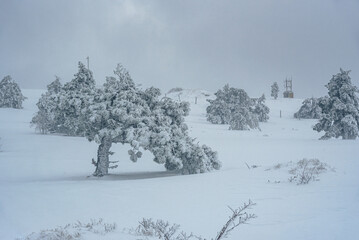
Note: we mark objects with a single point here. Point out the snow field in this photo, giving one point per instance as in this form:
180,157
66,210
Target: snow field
44,181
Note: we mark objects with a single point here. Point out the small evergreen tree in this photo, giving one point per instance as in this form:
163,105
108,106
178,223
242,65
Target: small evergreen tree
62,108
122,113
261,110
55,87
341,110
243,119
48,118
219,110
274,90
74,99
233,106
310,109
10,94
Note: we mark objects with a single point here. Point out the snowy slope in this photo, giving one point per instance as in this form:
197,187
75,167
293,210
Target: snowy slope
44,180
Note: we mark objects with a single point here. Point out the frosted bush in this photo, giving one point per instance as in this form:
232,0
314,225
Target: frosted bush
163,230
74,231
233,106
310,109
307,170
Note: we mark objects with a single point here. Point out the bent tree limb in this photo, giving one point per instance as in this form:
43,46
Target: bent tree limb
103,160
239,216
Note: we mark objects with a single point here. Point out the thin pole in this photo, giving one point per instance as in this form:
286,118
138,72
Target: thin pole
88,62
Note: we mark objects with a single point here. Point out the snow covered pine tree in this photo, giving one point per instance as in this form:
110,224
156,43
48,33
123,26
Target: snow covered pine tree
122,113
233,106
219,111
62,109
242,118
310,109
261,110
10,94
275,90
48,118
75,98
341,110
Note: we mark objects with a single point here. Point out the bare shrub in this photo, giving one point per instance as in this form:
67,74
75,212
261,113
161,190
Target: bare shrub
165,231
73,231
160,229
239,216
307,170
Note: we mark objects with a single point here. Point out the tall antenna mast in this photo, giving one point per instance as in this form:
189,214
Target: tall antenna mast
88,62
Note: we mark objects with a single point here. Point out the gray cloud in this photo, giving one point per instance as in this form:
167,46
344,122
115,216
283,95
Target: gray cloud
191,44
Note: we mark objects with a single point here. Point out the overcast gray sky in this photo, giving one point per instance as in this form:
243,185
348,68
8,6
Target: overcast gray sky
189,44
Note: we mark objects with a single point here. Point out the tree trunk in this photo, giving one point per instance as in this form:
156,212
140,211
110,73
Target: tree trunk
103,160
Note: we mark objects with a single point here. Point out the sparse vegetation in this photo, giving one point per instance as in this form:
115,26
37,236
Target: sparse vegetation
165,231
147,228
301,172
74,231
307,170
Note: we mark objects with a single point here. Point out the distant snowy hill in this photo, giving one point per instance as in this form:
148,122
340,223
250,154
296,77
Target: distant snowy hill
189,95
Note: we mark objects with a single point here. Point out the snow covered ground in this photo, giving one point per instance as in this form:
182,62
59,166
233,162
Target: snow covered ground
44,180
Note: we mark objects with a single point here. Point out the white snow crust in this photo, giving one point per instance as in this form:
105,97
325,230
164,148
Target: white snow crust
44,179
